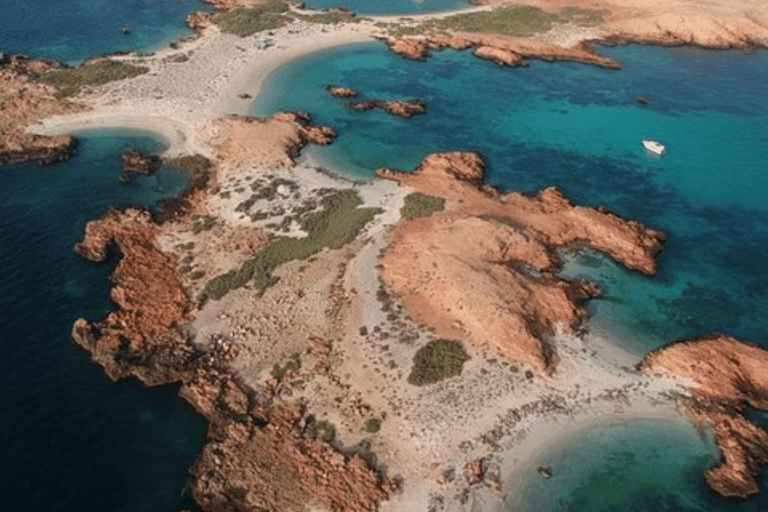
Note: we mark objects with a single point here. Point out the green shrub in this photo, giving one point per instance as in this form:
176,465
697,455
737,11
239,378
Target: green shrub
511,21
244,22
372,425
203,224
197,274
420,205
328,18
337,224
437,360
314,429
69,81
293,365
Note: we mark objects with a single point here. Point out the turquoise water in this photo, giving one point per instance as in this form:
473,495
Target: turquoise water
390,6
579,127
73,30
639,462
72,439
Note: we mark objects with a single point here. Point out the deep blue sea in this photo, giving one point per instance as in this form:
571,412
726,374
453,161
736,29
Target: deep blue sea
580,128
73,440
77,442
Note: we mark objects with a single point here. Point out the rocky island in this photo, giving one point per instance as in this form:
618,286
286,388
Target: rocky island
382,345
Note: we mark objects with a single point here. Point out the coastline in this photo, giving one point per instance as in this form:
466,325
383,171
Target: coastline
194,130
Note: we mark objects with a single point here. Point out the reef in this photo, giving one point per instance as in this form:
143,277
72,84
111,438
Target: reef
23,102
485,268
725,376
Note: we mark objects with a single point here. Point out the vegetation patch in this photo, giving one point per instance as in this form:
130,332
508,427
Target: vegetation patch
329,18
245,22
69,81
581,16
437,360
324,430
420,205
293,365
336,224
511,21
372,425
203,224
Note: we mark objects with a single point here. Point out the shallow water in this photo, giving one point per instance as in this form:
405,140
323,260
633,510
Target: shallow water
648,465
579,127
73,30
73,440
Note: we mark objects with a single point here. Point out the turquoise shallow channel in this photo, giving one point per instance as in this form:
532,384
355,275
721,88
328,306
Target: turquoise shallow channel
580,128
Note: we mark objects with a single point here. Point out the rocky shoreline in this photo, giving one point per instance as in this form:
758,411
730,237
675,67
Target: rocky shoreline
726,376
24,100
505,246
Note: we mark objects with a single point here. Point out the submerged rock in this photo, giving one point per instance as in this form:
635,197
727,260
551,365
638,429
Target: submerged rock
135,161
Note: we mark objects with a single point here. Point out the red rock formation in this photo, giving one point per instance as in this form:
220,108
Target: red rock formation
275,141
274,468
341,92
198,20
404,109
151,302
725,375
484,269
257,458
503,50
23,101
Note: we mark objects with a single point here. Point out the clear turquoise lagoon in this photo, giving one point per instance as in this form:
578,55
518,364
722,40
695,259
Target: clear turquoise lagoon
580,128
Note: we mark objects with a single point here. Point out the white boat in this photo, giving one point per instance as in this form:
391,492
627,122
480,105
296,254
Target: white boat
656,147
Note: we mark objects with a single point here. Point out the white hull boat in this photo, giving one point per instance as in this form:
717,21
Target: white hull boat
655,147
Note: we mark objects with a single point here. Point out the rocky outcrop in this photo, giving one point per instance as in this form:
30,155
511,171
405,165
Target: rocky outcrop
503,50
725,376
135,161
404,108
275,468
275,141
144,336
484,269
257,458
24,101
341,92
198,20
